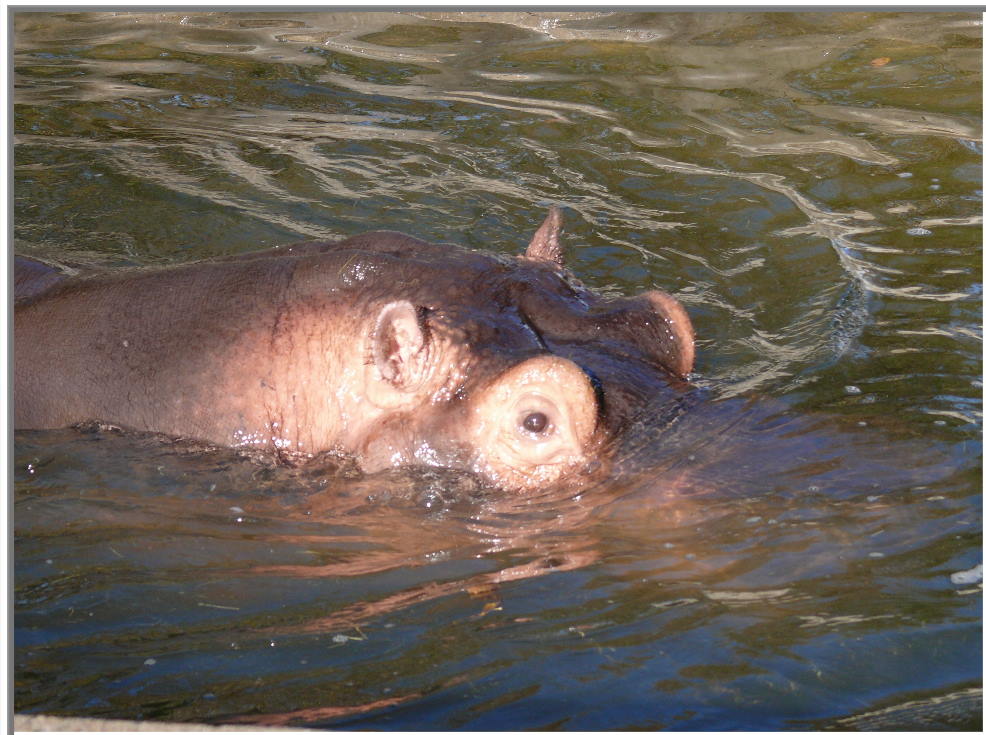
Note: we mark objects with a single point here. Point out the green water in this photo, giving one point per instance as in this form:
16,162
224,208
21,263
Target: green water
808,185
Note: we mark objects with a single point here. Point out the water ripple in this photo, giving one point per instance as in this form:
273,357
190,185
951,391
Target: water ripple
903,122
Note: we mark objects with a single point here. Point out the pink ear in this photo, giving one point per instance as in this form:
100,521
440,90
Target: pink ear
677,343
545,245
399,346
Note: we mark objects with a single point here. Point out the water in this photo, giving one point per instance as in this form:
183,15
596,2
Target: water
786,553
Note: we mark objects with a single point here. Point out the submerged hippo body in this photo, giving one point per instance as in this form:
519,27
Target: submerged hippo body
382,346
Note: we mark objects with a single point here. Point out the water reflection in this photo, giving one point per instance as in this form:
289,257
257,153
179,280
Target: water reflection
677,550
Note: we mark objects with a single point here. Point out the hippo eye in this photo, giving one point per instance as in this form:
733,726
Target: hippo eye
535,422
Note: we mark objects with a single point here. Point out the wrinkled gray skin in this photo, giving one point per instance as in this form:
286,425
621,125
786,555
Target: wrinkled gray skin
382,346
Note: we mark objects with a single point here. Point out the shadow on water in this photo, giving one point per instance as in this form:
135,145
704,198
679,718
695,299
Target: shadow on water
796,544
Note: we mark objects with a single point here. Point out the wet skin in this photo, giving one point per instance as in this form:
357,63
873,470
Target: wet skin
390,349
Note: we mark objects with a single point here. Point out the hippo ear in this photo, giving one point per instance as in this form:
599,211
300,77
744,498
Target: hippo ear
675,346
545,244
400,347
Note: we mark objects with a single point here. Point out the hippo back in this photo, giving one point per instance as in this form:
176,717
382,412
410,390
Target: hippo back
32,277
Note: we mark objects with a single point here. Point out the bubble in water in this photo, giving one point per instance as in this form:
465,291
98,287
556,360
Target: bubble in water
853,390
918,231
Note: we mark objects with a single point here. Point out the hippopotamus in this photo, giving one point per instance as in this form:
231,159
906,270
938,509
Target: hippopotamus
388,349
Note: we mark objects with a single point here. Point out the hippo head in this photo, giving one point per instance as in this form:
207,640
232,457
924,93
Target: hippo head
510,367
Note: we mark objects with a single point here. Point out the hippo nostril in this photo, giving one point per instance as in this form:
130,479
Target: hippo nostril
535,422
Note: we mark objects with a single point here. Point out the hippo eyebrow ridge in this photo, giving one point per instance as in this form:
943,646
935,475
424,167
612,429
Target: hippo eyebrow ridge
597,388
526,322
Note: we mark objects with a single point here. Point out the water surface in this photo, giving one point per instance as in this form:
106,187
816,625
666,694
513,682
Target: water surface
794,551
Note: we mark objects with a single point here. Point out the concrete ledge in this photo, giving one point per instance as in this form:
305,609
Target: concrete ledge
49,723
